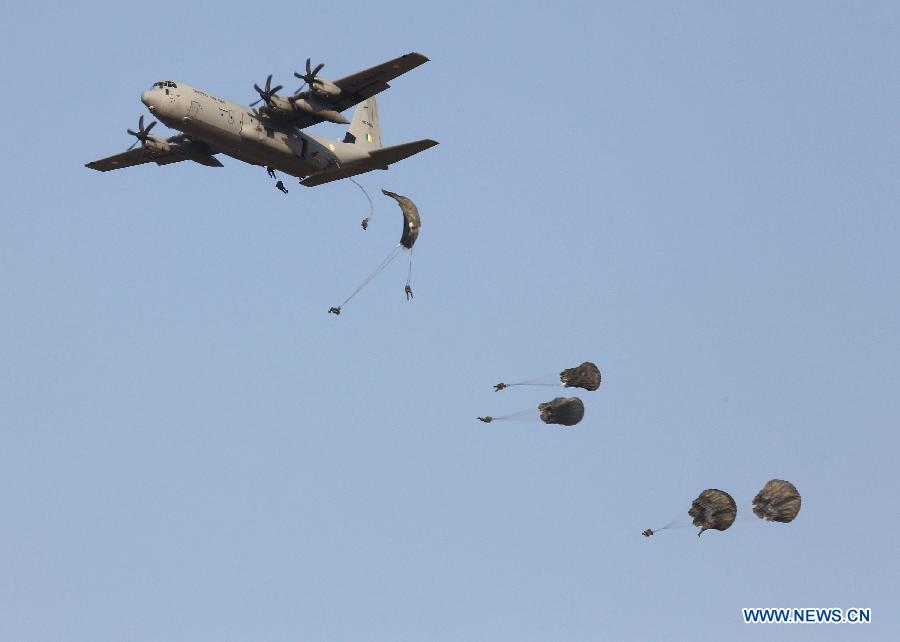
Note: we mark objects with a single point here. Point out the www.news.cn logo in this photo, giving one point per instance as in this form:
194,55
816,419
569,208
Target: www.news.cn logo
807,616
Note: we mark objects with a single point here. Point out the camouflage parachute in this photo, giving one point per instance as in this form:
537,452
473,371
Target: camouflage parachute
778,501
586,376
411,220
713,509
563,411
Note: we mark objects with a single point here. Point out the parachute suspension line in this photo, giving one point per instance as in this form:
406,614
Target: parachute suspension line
368,198
521,415
409,272
378,270
667,527
678,521
537,381
554,385
365,193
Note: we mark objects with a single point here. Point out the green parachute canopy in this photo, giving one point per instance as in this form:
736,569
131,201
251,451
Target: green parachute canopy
563,411
778,501
713,509
411,220
586,376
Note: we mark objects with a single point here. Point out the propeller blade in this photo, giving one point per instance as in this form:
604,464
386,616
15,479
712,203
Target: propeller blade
141,122
149,127
132,145
318,69
253,104
308,60
278,88
133,133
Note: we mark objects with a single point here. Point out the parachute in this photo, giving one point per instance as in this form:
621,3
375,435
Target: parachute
586,376
713,509
411,220
778,501
411,225
563,411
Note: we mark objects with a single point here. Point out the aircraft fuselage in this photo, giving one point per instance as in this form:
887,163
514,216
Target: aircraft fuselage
235,130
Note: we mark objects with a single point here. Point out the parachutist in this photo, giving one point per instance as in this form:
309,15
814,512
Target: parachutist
487,419
271,171
365,223
408,290
500,386
333,310
647,533
280,185
585,376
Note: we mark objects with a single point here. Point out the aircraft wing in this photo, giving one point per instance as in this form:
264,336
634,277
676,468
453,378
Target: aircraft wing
365,84
179,147
359,86
136,156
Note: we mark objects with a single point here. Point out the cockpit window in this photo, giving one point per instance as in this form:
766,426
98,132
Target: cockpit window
165,83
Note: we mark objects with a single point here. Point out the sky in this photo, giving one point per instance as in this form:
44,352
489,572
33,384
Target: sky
701,198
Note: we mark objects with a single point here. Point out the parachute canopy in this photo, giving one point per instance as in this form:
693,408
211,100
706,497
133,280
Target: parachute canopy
778,501
714,509
411,221
586,376
563,411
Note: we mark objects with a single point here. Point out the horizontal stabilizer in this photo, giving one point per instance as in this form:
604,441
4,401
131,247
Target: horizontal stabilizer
391,155
378,159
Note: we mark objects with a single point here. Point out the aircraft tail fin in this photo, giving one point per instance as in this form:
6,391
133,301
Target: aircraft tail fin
365,128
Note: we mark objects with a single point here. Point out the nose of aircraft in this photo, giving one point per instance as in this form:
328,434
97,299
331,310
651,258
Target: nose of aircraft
145,98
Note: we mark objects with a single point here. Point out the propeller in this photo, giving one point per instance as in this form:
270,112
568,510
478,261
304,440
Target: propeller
309,78
141,134
267,93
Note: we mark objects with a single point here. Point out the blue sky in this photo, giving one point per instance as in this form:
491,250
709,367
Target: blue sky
701,198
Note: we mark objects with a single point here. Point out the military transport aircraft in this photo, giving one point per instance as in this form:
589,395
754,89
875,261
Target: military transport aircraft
271,135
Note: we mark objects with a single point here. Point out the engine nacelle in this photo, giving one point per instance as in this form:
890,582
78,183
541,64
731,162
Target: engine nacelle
326,88
319,109
156,144
279,106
